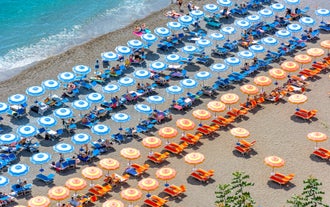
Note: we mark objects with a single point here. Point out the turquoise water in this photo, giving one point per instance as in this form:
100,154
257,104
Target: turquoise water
32,30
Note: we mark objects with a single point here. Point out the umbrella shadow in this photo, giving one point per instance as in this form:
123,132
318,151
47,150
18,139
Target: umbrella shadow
176,199
6,129
20,121
152,56
317,159
300,120
193,181
246,155
155,165
286,187
38,182
192,67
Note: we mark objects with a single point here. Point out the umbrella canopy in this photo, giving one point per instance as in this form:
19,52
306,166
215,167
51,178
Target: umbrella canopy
121,117
219,67
136,44
188,83
174,25
3,181
203,43
148,184
126,81
81,105
297,99
242,24
274,162
317,137
47,121
294,28
167,132
253,18
194,158
165,173
162,32
66,77
18,170
63,113
203,75
315,52
173,58
113,203
269,41
111,88
174,90
225,3
150,38
40,158
141,74
197,14
303,59
63,148
95,98
307,21
290,66
92,173
239,132
216,36
325,44
211,8
27,131
292,2
35,91
143,108
216,106
228,31
58,193
229,98
156,99
109,164
232,61
76,184
123,50
130,153
186,20
131,194
109,56
277,7
17,99
81,69
249,89
277,73
3,107
322,12
8,139
185,124
151,142
189,49
201,114
100,129
283,34
50,85
246,54
257,49
266,13
39,201
158,66
262,81
81,138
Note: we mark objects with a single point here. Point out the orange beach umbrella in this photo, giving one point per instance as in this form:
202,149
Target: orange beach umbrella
92,173
113,203
325,44
148,184
249,89
201,114
290,66
262,81
216,106
229,98
109,164
317,137
302,59
315,52
131,194
151,142
168,132
185,124
277,73
75,184
39,201
165,173
194,158
240,132
130,154
297,99
58,193
274,162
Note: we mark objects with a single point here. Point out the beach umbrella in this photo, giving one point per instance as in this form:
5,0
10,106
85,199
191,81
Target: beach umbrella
211,8
113,203
317,137
290,66
162,32
95,98
203,43
50,85
325,44
166,173
17,99
135,44
315,52
75,184
197,14
151,142
173,58
266,13
216,106
292,2
47,121
39,201
121,118
277,7
245,55
216,36
294,28
274,162
123,50
194,158
269,41
307,21
63,113
256,49
253,18
229,98
109,56
225,3
186,20
249,89
58,193
3,107
7,139
109,164
27,131
156,100
126,82
148,184
203,75
240,132
189,49
66,77
80,105
63,148
174,90
35,91
100,129
81,138
18,170
297,99
218,68
302,59
131,195
242,24
141,74
40,158
174,25
111,88
185,124
277,73
81,69
228,31
283,34
158,66
3,181
143,108
188,83
150,38
167,133
322,13
262,81
92,173
232,62
130,154
201,114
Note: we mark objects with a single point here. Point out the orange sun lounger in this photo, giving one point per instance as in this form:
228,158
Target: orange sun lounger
304,114
176,148
174,190
202,175
157,157
322,153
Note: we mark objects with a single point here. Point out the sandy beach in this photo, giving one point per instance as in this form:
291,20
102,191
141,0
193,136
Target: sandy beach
273,126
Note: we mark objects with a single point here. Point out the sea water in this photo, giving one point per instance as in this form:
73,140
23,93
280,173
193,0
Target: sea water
32,30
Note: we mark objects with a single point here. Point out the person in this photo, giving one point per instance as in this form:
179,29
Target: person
246,66
190,6
113,70
255,61
180,2
250,39
97,65
309,32
137,28
288,12
138,86
143,28
61,158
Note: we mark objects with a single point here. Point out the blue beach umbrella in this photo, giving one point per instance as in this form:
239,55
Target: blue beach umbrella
277,7
109,56
174,90
18,170
292,2
243,24
232,62
173,58
283,34
47,121
27,131
136,44
143,108
307,21
203,75
81,138
121,118
197,14
150,38
202,43
95,98
245,54
218,68
211,8
111,88
294,28
228,31
51,85
188,83
8,138
186,20
216,36
322,13
174,25
17,99
156,99
81,69
253,18
3,107
63,148
141,74
162,32
63,113
3,181
225,3
257,49
269,41
126,82
40,158
189,49
158,66
80,105
66,77
266,13
35,91
100,129
123,50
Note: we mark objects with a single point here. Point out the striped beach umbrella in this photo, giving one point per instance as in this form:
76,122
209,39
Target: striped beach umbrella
27,131
174,25
186,20
35,91
63,113
150,38
277,7
136,44
66,77
50,85
243,24
8,139
17,99
81,138
63,148
158,66
3,107
162,32
123,50
18,170
81,69
211,8
47,121
109,56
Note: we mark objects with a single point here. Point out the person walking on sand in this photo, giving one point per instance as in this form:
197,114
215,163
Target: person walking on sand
180,2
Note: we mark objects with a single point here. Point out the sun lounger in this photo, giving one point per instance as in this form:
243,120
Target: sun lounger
191,139
304,114
174,191
106,188
139,169
46,178
278,180
247,144
284,177
202,175
176,148
211,128
243,150
156,201
204,131
97,192
157,157
321,154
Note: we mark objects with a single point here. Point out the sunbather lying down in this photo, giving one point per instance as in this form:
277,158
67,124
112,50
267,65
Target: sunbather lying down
173,14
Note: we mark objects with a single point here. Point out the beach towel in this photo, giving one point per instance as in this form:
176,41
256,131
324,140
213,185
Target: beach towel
139,34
